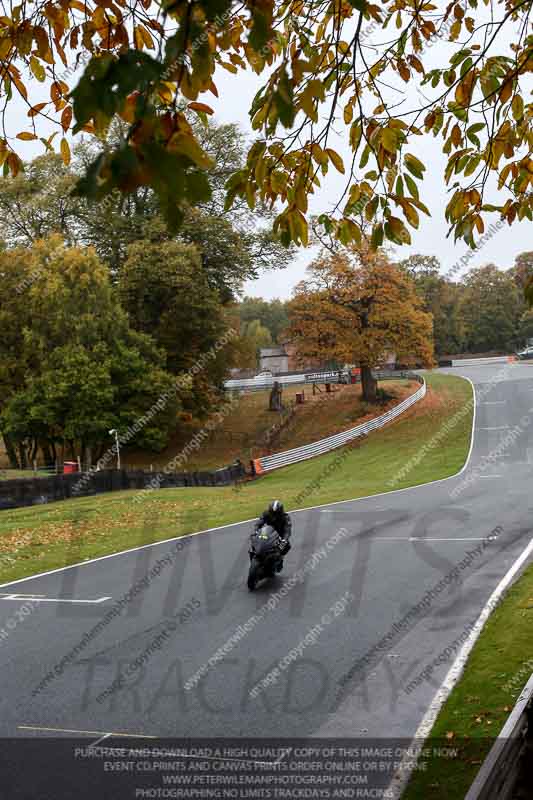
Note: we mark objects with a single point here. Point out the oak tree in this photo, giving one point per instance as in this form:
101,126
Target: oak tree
356,307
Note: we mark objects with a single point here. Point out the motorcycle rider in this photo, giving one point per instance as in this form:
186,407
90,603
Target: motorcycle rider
276,516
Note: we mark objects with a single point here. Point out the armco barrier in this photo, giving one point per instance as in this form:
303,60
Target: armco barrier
268,463
480,362
499,774
34,491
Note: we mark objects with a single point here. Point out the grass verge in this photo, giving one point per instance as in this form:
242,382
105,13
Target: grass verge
40,538
499,666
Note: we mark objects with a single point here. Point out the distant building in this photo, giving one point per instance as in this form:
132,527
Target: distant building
284,358
276,359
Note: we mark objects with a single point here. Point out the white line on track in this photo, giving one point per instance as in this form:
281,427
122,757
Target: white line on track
88,733
107,734
101,739
497,428
492,402
425,539
40,599
402,777
489,476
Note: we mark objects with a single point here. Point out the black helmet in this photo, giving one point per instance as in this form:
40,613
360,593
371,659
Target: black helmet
276,507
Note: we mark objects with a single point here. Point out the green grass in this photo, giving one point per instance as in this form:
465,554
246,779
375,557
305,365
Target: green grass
479,705
10,474
42,537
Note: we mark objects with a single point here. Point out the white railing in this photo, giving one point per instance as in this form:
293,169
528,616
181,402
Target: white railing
480,362
268,463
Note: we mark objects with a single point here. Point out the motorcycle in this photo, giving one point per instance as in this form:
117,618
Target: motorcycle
266,555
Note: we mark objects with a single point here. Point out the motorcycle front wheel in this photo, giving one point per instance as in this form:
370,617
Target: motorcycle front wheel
254,574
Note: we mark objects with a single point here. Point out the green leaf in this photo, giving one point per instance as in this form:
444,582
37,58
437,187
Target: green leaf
283,99
261,31
376,240
106,83
414,165
411,185
360,5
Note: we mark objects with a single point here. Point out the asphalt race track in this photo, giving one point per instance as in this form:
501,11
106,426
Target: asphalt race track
364,568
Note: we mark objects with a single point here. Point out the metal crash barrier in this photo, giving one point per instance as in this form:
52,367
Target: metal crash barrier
500,772
268,463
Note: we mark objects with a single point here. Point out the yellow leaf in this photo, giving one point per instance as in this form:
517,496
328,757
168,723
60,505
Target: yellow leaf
301,199
301,227
166,92
188,146
65,151
348,113
137,35
20,86
335,159
147,39
25,136
5,47
455,30
506,91
412,215
37,69
389,140
318,154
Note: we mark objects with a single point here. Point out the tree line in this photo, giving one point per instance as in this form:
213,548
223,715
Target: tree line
103,309
484,310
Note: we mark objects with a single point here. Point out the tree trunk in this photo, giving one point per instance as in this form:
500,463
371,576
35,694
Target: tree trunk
88,456
47,454
22,456
369,384
11,452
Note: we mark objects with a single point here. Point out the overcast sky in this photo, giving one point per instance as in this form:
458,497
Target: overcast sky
235,95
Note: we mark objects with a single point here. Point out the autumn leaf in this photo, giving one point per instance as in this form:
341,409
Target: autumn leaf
34,110
65,151
200,107
66,118
37,69
335,159
25,136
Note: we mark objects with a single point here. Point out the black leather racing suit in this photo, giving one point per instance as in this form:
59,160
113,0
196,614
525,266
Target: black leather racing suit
281,523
